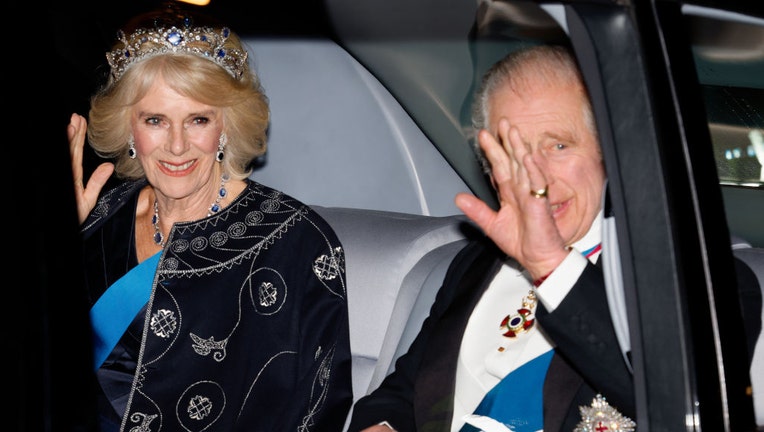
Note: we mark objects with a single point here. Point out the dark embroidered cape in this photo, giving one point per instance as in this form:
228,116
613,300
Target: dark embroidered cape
247,324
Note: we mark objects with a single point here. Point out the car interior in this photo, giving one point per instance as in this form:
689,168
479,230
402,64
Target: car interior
416,166
370,125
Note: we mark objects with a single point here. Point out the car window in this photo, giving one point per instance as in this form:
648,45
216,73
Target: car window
729,57
728,50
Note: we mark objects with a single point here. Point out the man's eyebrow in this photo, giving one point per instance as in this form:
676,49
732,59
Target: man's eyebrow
564,135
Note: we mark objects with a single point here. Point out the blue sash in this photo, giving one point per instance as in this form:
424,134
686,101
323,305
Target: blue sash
517,400
116,308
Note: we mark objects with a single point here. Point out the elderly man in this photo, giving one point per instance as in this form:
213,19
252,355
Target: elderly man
520,336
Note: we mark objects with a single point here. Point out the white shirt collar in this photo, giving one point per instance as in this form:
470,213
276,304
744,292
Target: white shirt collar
593,237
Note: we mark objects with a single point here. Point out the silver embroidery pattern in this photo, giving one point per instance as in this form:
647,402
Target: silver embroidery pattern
205,346
145,422
236,239
254,217
267,291
163,323
267,294
218,239
199,407
199,243
328,267
270,206
103,205
179,245
237,229
600,416
169,265
319,393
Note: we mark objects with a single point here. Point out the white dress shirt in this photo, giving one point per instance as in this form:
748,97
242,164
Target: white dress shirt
486,356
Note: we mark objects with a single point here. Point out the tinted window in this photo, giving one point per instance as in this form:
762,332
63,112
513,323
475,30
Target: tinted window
729,55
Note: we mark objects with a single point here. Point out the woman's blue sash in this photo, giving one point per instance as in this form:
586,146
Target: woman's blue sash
116,308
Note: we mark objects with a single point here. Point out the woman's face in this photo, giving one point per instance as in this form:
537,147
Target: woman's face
176,139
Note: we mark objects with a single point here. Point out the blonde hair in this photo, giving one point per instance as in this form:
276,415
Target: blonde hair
246,113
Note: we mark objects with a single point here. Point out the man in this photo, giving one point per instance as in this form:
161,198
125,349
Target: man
481,359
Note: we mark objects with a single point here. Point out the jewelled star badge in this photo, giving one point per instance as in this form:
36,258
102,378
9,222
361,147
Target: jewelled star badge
601,417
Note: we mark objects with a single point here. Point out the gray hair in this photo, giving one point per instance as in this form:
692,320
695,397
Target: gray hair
545,63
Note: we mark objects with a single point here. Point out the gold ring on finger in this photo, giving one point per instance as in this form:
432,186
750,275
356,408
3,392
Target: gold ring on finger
539,193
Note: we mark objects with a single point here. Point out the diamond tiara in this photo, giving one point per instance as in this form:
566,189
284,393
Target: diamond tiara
206,42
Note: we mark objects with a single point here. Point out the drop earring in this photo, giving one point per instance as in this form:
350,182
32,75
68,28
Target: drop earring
131,147
221,145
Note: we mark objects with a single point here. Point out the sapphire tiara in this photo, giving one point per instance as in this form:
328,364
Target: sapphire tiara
206,42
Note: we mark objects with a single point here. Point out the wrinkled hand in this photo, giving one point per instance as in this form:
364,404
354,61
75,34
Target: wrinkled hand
85,196
523,227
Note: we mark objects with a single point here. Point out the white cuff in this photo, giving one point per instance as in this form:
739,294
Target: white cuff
553,290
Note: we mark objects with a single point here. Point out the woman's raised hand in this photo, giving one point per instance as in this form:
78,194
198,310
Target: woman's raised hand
85,196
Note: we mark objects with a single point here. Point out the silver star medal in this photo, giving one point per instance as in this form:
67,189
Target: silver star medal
601,417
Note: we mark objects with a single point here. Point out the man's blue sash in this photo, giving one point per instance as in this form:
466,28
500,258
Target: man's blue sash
116,308
517,400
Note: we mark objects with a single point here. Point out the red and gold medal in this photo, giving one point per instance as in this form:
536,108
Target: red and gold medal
521,321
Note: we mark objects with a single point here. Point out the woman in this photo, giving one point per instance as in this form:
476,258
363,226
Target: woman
218,303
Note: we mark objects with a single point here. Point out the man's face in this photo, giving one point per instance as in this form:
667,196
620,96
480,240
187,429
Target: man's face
551,122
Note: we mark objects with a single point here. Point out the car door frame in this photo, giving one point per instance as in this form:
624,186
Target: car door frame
674,243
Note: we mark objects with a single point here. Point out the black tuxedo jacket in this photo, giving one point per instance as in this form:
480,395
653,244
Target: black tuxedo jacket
419,394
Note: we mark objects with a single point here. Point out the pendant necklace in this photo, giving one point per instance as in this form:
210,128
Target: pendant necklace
214,208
